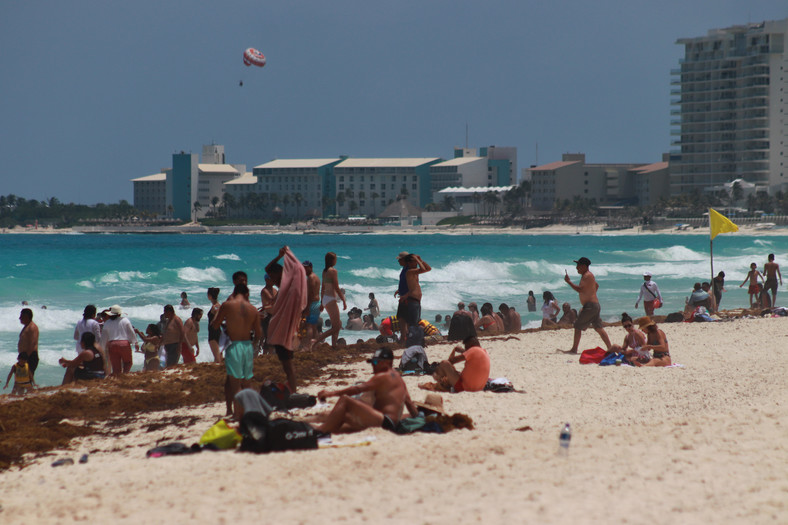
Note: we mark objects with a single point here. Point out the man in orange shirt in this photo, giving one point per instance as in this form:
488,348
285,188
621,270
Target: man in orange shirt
474,375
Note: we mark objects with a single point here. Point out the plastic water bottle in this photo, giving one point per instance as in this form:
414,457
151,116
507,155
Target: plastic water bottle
564,438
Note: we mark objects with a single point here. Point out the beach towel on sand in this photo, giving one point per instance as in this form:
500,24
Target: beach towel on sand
592,355
290,302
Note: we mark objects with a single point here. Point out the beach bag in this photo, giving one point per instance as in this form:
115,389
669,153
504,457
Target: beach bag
275,394
262,435
657,303
460,328
675,317
611,359
221,436
592,356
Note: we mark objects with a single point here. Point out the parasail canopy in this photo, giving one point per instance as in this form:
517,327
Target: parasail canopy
253,57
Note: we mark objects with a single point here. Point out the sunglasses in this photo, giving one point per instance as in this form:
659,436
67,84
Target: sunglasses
374,361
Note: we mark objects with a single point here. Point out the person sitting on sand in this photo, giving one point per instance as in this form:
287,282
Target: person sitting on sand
389,326
90,364
550,310
570,316
23,378
461,310
474,375
474,310
634,341
488,322
390,394
150,347
656,341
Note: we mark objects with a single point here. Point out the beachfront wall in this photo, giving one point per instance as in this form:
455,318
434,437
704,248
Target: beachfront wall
731,108
150,193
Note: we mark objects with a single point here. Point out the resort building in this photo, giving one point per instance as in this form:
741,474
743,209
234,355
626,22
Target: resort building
605,184
297,188
210,186
150,193
465,172
181,187
367,186
731,109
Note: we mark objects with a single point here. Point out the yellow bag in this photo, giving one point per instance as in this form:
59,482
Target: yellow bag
221,436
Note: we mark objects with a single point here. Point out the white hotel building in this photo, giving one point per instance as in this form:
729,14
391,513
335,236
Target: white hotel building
731,114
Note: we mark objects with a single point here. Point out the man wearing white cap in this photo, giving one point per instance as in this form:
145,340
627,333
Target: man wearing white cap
117,336
649,292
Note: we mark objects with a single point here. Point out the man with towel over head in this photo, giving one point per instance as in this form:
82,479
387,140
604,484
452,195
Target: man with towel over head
286,312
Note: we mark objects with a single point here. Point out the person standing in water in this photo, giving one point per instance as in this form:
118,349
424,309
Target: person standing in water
330,293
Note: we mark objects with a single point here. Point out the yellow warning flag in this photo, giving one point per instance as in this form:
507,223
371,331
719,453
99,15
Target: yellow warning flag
719,223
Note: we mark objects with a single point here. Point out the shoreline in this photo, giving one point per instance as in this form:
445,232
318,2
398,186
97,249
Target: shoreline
196,229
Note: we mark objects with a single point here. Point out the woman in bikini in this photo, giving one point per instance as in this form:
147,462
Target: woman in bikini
656,341
329,293
634,341
489,322
150,347
214,333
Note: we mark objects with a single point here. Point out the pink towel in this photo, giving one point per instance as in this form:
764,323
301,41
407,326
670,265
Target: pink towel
290,303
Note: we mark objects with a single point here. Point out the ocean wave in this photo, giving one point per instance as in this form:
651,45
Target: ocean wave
670,253
227,257
202,275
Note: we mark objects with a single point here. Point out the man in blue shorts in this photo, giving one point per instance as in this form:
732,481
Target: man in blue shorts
312,311
242,319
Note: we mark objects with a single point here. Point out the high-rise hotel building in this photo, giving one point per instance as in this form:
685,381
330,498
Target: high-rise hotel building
731,114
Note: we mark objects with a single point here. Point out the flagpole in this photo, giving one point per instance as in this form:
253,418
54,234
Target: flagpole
711,254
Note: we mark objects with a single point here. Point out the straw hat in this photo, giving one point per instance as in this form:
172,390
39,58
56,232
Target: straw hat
433,403
115,310
645,322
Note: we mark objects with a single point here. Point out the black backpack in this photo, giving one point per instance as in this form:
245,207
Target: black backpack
261,435
279,397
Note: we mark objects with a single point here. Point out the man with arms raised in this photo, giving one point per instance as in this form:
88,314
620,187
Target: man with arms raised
415,267
28,340
589,314
241,320
391,399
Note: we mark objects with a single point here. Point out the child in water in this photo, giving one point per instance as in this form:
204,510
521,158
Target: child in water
150,347
23,379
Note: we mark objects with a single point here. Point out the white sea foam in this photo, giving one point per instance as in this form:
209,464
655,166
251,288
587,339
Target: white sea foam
86,284
202,275
671,253
227,257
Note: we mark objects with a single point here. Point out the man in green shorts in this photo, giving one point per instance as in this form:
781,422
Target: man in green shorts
242,319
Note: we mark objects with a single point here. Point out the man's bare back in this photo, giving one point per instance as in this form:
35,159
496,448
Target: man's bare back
412,276
241,319
312,288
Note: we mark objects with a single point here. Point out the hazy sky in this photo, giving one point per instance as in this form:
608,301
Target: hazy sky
93,94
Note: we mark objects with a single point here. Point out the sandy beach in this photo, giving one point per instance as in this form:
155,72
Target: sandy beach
701,443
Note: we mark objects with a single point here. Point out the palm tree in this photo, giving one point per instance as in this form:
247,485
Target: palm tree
375,197
274,198
170,209
361,196
196,208
449,203
491,200
214,202
285,202
340,202
298,199
353,206
325,203
228,202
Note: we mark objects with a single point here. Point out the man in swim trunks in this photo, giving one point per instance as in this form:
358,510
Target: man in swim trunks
474,375
415,267
28,340
242,319
391,398
174,335
191,328
312,311
589,314
772,271
753,289
402,293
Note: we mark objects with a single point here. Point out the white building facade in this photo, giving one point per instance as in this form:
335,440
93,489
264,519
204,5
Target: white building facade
732,108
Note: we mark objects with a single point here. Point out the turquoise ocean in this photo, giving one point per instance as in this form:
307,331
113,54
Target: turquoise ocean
144,272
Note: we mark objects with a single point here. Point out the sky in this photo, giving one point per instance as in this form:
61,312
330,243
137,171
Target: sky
96,93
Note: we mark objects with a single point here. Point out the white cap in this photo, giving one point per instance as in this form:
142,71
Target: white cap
646,274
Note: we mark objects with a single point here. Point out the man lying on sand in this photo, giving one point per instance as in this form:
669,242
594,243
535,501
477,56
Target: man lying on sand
390,394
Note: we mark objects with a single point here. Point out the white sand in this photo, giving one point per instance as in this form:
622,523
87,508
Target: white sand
701,444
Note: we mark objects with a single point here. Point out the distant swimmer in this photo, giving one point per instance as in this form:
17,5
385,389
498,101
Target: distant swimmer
185,301
772,272
531,301
589,314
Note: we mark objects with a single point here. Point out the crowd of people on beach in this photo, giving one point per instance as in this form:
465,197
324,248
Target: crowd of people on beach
289,319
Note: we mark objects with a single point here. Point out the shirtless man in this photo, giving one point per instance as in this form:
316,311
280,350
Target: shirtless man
772,271
391,399
28,340
752,289
174,335
402,291
589,314
312,311
242,319
415,267
570,316
191,328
